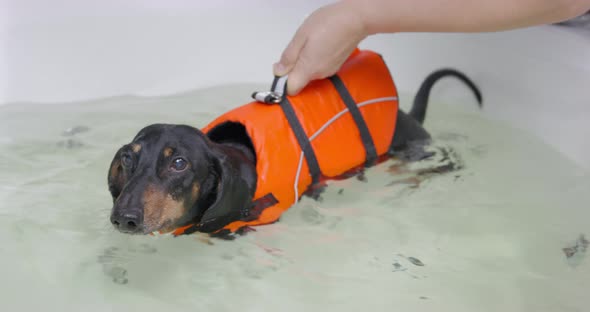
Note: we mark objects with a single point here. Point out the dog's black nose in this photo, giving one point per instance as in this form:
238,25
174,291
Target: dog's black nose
127,222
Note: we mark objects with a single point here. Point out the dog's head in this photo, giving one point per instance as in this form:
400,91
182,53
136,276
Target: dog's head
168,177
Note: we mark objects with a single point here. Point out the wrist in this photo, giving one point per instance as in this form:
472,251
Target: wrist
367,12
359,15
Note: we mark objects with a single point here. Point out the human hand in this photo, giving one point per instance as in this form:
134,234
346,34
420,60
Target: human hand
321,45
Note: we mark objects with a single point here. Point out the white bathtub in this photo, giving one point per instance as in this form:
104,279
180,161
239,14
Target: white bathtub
69,50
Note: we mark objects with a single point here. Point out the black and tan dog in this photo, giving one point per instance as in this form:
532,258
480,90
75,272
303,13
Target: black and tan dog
177,178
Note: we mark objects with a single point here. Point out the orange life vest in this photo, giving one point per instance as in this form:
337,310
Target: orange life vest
328,112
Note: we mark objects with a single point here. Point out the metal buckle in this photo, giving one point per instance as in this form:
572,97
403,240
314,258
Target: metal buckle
268,97
275,95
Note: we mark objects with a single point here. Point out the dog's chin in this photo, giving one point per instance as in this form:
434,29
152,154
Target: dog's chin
130,232
159,229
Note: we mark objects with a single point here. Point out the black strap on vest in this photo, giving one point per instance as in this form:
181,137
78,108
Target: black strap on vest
304,143
278,95
370,151
258,206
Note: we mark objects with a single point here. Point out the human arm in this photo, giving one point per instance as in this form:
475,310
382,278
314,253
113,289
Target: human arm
328,36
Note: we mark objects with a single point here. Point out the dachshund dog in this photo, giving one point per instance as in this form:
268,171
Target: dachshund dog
171,177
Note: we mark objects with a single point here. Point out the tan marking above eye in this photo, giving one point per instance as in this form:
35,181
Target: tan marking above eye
115,168
136,147
161,211
195,191
168,151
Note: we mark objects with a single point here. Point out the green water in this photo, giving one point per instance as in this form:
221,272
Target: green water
488,237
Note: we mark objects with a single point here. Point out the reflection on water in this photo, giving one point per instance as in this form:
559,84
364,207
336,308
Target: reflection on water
483,225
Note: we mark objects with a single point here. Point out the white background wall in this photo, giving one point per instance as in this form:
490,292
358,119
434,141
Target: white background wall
66,50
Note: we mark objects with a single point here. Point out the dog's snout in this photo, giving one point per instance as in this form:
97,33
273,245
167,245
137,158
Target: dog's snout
127,222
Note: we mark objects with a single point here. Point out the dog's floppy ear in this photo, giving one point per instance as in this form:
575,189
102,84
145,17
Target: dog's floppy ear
233,195
117,176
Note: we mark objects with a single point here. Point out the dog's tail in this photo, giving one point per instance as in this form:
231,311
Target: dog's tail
418,111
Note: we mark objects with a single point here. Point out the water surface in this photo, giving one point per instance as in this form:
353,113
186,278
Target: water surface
487,237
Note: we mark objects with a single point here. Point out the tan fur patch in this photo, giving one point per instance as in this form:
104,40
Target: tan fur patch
117,178
161,211
136,148
195,191
168,151
115,169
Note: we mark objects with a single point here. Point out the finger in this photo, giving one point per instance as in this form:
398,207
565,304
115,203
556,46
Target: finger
291,53
299,77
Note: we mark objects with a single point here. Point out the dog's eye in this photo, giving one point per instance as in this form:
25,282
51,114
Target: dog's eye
179,164
126,160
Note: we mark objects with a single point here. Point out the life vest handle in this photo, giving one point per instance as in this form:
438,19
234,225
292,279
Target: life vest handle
278,89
